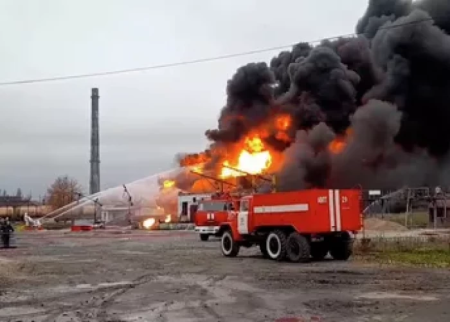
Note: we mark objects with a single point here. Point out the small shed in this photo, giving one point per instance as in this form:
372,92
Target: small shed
439,208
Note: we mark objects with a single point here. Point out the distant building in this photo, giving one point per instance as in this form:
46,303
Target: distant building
13,201
13,206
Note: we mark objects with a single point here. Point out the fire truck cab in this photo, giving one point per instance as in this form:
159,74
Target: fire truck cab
294,225
211,213
188,204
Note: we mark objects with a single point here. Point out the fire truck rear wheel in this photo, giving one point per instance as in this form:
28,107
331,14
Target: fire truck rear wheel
298,248
276,245
341,248
204,237
230,248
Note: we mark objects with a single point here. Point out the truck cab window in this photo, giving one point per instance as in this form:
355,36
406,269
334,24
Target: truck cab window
184,208
244,205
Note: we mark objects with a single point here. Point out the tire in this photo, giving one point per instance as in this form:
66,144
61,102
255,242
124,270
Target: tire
298,248
229,247
276,245
341,248
319,250
204,237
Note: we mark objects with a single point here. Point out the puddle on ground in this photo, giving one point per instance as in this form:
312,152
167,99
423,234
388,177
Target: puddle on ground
395,296
17,311
89,286
131,252
80,287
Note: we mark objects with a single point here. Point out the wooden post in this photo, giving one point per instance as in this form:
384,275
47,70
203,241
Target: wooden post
435,215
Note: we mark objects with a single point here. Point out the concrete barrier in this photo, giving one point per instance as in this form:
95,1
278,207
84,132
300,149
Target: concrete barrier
176,226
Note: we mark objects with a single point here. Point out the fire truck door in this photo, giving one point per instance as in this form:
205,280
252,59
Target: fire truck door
243,217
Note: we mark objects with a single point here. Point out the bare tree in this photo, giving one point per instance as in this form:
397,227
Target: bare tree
62,192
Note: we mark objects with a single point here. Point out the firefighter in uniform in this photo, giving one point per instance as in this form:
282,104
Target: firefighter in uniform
5,230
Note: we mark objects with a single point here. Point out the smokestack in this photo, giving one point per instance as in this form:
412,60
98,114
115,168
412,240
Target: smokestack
94,183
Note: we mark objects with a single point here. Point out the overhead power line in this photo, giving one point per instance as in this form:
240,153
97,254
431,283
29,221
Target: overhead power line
196,61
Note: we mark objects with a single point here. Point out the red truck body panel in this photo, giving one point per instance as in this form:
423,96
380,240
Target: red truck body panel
211,214
312,211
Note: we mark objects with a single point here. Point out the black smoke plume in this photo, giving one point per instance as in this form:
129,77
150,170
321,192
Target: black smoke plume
249,94
325,82
384,92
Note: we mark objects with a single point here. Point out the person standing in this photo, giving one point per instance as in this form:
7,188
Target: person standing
6,229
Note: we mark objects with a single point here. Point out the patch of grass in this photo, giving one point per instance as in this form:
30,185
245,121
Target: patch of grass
424,258
414,220
415,251
19,227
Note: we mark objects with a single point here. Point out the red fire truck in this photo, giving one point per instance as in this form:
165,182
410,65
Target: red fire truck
205,210
294,225
211,213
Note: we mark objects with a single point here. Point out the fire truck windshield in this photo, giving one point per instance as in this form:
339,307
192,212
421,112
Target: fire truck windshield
215,206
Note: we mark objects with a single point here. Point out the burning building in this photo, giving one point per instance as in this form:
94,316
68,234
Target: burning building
370,110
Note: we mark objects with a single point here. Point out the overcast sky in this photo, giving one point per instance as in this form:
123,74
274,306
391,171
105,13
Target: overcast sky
145,117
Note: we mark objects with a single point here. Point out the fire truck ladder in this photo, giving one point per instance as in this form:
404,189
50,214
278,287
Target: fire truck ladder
222,182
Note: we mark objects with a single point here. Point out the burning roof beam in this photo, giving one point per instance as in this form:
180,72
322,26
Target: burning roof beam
247,173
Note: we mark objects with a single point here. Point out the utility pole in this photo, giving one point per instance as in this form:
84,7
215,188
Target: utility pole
94,183
130,202
97,204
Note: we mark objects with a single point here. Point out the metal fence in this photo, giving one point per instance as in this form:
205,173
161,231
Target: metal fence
421,207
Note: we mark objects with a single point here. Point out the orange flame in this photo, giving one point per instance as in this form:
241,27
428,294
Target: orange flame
283,122
168,184
197,168
148,223
340,142
202,186
253,159
337,145
194,159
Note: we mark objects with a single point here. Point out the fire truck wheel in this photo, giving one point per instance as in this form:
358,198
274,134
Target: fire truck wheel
298,248
230,248
341,248
276,245
319,250
204,237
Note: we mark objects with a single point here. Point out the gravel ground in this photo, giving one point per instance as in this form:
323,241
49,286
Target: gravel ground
172,276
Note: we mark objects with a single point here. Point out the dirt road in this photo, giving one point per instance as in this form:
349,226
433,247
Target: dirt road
171,276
